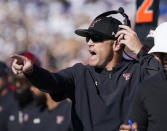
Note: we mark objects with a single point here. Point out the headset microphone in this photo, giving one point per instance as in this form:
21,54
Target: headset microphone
126,20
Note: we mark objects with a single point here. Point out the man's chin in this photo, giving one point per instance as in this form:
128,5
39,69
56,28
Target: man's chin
92,64
96,65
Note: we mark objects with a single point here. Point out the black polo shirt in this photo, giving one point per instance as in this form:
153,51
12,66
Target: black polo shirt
100,98
149,106
6,106
57,119
19,116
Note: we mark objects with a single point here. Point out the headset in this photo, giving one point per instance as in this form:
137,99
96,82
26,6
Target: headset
126,20
119,11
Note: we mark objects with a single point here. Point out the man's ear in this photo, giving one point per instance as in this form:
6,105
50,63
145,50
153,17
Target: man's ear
116,46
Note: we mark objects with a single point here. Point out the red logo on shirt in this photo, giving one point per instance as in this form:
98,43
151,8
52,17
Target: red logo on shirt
95,21
126,76
26,116
59,119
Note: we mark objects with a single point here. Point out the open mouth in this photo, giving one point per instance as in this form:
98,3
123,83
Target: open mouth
92,53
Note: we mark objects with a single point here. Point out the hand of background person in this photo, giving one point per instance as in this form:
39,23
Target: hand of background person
21,64
127,127
129,38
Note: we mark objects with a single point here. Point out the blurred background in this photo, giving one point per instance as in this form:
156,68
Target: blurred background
46,27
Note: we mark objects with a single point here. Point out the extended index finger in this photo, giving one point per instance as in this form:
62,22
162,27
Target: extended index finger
16,56
20,59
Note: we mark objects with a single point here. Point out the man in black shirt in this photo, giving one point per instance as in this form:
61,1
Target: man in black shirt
23,108
55,116
149,106
101,91
6,96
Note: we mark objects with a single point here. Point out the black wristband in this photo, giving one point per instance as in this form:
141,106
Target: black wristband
142,52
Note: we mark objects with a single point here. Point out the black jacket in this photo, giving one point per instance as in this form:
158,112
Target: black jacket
6,107
149,106
57,119
100,98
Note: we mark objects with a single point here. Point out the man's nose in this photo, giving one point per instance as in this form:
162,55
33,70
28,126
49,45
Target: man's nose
90,43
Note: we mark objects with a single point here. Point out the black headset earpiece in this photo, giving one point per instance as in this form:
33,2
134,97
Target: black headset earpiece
126,20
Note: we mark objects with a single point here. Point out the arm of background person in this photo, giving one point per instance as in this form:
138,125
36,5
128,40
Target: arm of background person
137,111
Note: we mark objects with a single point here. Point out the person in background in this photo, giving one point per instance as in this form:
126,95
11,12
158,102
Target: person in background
6,96
56,116
148,110
24,107
37,111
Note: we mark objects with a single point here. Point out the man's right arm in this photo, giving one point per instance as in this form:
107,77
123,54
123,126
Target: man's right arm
55,83
60,84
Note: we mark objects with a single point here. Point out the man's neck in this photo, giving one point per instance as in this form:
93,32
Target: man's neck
50,103
114,62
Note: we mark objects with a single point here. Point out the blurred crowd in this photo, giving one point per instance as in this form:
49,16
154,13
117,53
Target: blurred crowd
46,27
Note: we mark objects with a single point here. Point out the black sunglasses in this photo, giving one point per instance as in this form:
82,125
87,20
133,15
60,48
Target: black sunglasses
94,39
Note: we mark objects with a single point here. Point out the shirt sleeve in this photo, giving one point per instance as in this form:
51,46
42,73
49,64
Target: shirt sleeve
60,85
142,52
138,112
149,66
